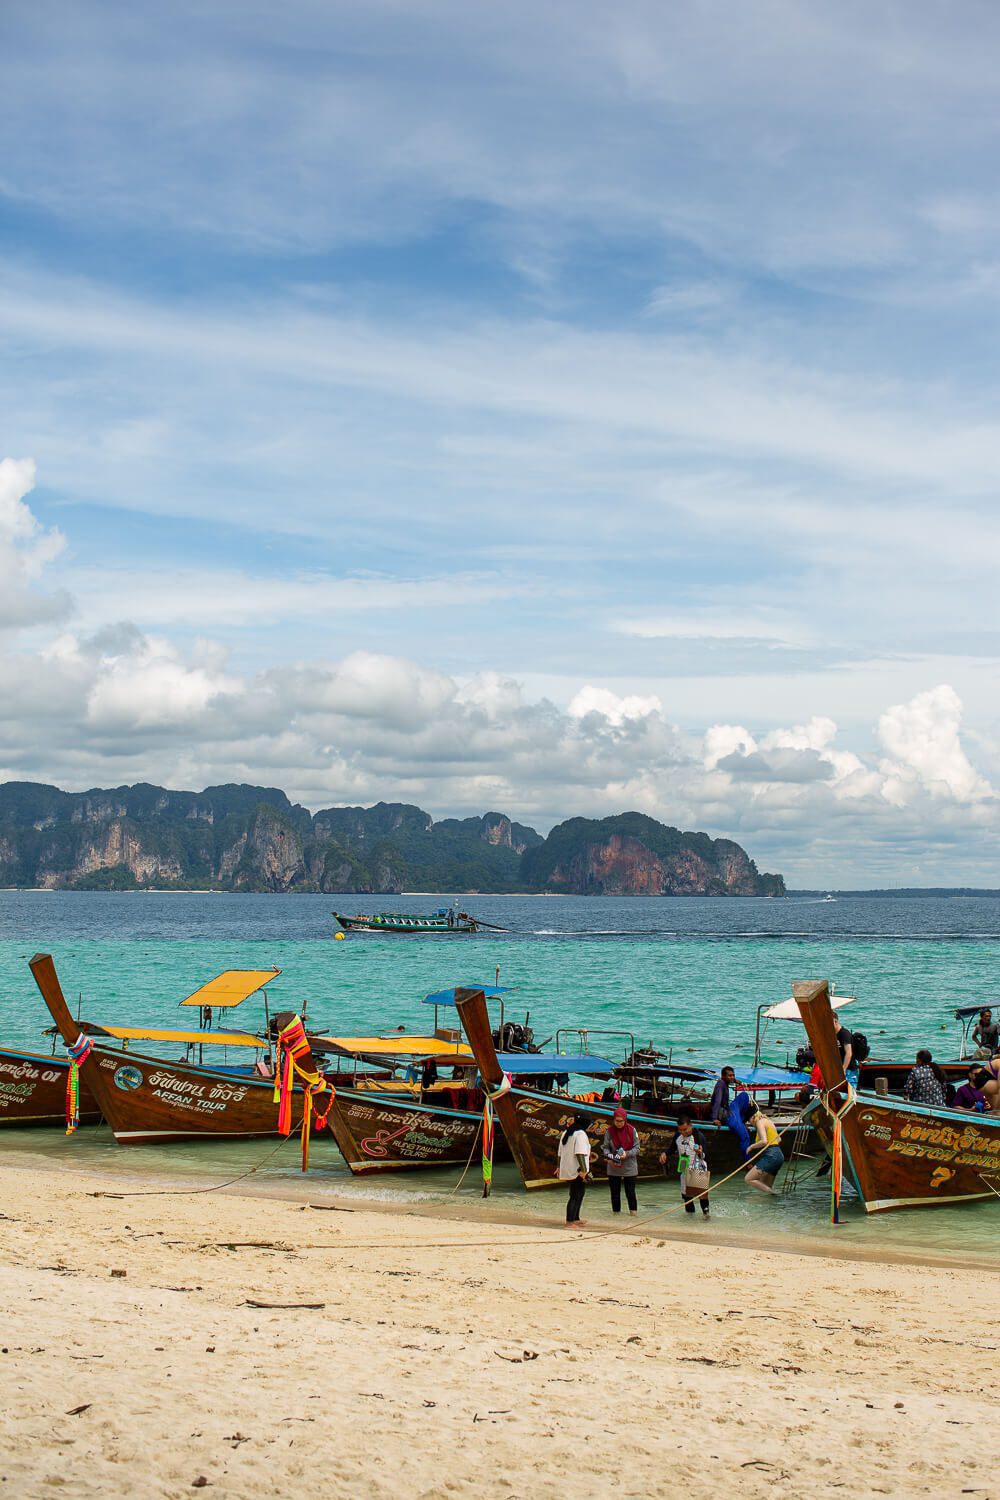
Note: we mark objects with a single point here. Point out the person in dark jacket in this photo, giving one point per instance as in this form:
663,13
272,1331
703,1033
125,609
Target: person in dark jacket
620,1149
722,1095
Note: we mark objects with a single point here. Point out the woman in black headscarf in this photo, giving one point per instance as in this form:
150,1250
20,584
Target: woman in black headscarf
574,1166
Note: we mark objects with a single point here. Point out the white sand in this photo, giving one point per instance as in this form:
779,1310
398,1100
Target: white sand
461,1358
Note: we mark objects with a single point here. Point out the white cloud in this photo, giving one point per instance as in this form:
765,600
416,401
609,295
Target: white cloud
142,684
924,751
612,707
26,548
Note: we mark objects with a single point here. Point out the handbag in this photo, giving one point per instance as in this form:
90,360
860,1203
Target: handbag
696,1180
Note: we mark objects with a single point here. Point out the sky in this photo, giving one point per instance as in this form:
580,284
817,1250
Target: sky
555,410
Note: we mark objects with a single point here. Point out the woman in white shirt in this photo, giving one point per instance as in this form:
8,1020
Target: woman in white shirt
574,1166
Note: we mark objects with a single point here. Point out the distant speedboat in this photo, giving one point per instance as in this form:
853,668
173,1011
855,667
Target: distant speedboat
828,897
449,920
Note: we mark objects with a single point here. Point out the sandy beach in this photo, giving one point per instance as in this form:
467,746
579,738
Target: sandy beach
162,1341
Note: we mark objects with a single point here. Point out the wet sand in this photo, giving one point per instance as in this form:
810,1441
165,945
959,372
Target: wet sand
428,1351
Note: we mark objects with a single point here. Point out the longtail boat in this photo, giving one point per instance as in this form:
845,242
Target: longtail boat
896,1154
33,1090
376,1133
532,1121
448,921
146,1099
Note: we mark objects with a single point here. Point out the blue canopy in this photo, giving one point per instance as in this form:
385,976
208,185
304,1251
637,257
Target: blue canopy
765,1073
762,1075
965,1011
447,997
555,1062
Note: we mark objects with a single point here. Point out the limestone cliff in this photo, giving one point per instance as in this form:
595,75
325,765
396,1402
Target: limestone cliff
249,838
634,855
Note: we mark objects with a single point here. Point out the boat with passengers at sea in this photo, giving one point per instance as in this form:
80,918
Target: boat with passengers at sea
448,921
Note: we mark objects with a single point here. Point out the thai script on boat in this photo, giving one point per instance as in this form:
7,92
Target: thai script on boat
964,1146
176,1085
532,1119
28,1070
420,1137
16,1091
228,1092
188,1102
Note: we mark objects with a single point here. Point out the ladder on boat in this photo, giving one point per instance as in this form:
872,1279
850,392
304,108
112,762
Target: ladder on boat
797,1155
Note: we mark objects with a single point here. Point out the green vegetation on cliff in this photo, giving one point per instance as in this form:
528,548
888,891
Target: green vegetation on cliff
254,839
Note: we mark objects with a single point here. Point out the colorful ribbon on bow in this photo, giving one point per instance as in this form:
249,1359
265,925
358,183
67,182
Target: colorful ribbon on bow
79,1051
292,1051
488,1129
837,1150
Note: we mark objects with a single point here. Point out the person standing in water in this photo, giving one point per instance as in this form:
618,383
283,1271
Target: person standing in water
690,1149
574,1166
766,1153
620,1149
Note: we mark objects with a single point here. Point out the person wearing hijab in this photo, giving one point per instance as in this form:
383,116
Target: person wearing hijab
574,1166
620,1149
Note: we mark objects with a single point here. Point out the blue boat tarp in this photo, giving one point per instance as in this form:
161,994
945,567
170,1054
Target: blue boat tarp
965,1011
555,1062
447,997
765,1074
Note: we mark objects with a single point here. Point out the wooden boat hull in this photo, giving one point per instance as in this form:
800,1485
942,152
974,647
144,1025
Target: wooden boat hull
33,1090
424,929
902,1155
379,1134
147,1101
899,1155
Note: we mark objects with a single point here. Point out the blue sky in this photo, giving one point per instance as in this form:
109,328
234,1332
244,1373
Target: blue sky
559,409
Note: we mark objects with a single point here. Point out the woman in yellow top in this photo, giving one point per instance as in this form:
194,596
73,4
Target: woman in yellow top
766,1154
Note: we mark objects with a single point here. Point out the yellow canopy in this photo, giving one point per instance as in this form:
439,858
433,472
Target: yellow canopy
232,987
401,1046
157,1034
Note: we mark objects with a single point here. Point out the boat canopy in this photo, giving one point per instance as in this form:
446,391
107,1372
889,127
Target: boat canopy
403,1047
555,1063
788,1010
762,1075
965,1011
773,1077
232,987
447,997
159,1034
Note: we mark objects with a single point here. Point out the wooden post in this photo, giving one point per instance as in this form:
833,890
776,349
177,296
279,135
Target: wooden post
813,999
47,980
471,1007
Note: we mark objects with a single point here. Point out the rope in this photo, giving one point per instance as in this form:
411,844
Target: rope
186,1192
468,1164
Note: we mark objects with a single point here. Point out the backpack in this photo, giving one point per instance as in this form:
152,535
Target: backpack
862,1051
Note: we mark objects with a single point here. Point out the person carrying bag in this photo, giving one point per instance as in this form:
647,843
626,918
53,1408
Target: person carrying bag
691,1152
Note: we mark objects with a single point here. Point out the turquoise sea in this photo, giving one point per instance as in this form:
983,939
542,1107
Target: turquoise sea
686,974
